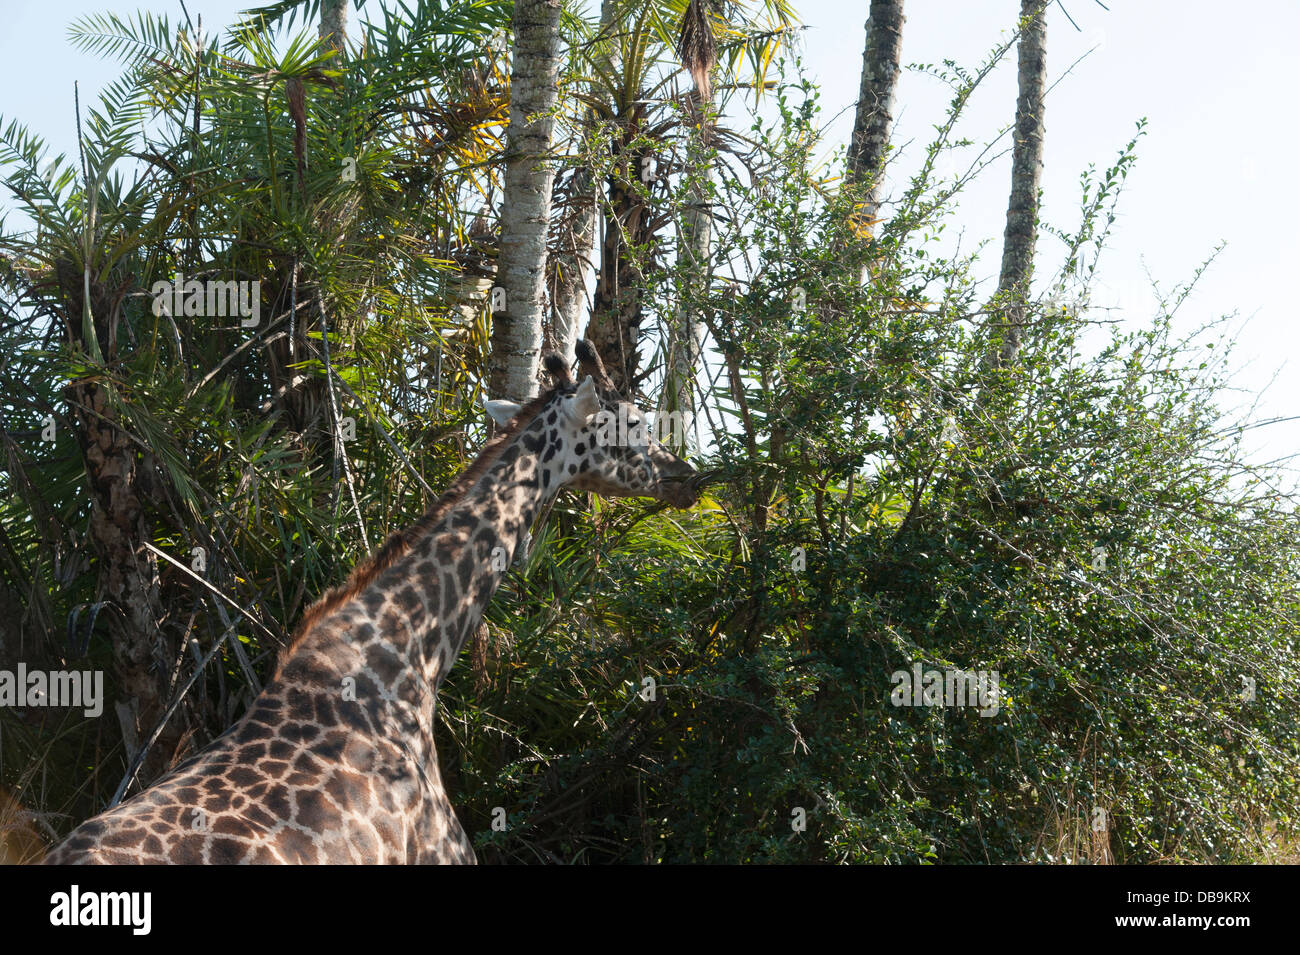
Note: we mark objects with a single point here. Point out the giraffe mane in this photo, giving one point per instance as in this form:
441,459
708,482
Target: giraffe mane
400,541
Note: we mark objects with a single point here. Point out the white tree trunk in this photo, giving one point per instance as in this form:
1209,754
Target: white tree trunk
526,205
686,332
572,261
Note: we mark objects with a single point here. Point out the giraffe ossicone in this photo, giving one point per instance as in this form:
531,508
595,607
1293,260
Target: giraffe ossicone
334,762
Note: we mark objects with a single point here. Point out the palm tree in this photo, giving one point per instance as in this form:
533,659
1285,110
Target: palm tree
640,118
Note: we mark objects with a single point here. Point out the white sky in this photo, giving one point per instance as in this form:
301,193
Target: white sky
1214,82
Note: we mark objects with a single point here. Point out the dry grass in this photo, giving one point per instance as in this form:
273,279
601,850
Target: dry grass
1076,835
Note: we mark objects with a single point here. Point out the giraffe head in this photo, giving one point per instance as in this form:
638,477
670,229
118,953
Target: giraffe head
602,441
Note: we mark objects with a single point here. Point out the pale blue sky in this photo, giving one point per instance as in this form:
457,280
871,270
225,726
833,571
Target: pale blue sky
1218,162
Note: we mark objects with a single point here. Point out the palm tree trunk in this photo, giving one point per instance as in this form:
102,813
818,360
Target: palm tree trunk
569,264
875,114
1026,172
333,23
686,334
526,205
143,649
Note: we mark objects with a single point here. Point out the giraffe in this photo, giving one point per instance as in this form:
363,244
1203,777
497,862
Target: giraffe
334,762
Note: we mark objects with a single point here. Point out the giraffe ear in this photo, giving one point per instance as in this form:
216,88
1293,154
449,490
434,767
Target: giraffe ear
502,412
586,400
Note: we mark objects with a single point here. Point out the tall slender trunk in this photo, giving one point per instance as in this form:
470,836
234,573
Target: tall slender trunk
526,204
1026,172
686,331
333,23
573,255
128,575
875,114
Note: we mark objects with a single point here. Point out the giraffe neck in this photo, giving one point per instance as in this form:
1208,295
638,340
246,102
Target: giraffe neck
404,630
459,565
